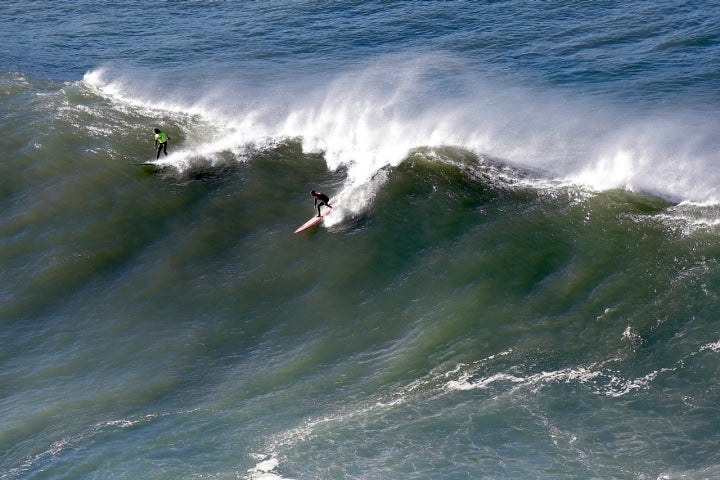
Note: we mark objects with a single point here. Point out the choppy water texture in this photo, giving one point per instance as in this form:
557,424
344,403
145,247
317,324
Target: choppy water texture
519,278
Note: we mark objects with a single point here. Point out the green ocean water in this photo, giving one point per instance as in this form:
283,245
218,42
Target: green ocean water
461,315
519,279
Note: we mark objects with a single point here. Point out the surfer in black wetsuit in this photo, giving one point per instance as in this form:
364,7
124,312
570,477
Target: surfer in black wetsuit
320,200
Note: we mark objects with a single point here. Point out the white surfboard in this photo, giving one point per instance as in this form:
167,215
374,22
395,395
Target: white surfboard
314,220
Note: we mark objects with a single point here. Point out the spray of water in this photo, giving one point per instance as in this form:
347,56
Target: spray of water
373,117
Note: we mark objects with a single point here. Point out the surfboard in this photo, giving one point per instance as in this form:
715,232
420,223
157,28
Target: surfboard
314,220
142,163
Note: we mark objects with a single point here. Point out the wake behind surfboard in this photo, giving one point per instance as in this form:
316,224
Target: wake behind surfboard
314,220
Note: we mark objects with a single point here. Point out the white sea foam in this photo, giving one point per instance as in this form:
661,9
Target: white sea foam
367,121
691,217
715,346
265,469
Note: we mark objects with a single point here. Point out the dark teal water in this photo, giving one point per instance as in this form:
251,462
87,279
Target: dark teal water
519,279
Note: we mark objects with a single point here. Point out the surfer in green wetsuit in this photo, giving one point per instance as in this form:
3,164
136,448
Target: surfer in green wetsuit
161,139
320,200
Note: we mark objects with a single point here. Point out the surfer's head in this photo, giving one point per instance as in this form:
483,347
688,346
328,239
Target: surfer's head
156,130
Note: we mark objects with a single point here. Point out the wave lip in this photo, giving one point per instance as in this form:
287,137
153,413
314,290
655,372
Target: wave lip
371,119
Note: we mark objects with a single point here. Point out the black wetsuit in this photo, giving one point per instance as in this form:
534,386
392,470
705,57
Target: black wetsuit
320,200
162,147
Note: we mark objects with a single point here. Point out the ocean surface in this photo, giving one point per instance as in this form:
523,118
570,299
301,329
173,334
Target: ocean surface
520,278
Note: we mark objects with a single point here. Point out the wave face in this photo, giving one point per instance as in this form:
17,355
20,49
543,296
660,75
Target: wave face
519,279
374,116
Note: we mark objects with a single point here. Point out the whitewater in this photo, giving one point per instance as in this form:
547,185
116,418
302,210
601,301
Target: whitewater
374,119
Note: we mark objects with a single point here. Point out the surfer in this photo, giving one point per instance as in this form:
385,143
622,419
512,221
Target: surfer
161,139
320,200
